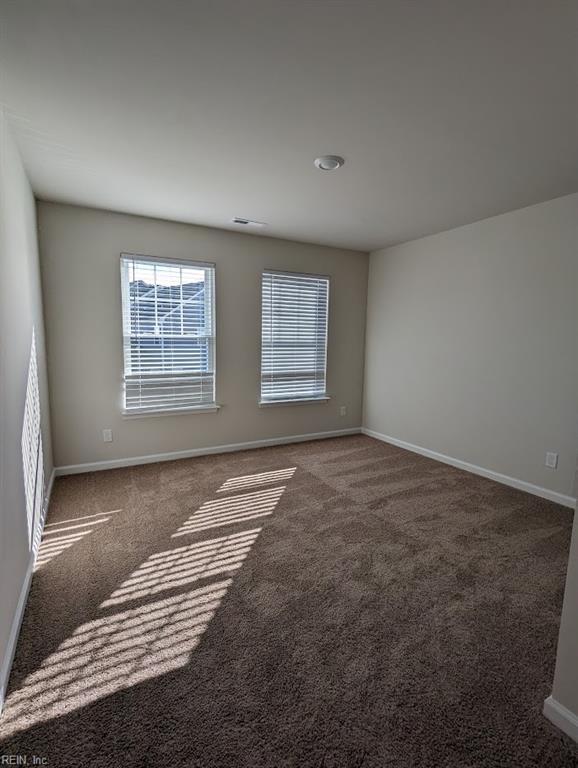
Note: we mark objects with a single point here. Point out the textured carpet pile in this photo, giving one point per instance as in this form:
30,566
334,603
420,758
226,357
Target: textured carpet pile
334,604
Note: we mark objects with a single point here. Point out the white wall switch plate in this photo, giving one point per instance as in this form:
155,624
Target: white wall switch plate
343,410
551,460
107,435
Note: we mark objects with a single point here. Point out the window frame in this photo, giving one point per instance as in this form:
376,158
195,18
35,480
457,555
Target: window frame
310,400
143,413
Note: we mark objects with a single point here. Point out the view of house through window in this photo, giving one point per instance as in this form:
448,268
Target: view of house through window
169,337
293,336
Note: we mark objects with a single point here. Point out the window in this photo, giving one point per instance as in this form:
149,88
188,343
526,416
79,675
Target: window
32,453
168,312
293,337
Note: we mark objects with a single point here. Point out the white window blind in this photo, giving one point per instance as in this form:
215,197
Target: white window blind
32,453
169,334
293,336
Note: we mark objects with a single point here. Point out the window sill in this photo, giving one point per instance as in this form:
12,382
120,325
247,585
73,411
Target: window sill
297,401
170,412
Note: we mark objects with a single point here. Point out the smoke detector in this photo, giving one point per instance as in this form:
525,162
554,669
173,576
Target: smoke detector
247,222
329,162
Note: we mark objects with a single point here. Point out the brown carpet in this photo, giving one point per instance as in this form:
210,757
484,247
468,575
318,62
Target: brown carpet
334,604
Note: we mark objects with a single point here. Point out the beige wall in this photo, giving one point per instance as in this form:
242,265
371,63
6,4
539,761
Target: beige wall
20,315
80,250
472,343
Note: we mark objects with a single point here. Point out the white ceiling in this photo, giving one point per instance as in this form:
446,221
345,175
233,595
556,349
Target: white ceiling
447,111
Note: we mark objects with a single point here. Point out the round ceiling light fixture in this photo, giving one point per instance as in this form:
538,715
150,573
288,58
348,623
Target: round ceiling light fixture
329,162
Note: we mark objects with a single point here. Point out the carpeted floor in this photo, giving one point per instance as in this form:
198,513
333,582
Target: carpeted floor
334,604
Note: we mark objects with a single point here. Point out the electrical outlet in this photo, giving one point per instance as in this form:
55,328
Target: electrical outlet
107,435
551,460
343,410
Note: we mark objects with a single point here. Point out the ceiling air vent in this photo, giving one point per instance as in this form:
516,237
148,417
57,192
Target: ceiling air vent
247,222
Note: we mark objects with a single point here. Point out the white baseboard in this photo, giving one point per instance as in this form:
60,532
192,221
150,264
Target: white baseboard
15,631
561,717
8,659
74,469
521,485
